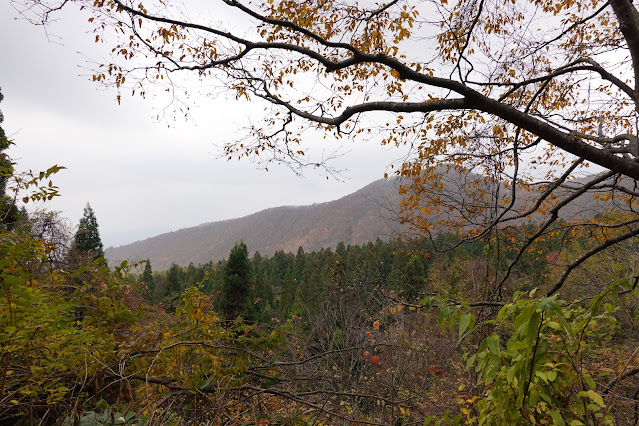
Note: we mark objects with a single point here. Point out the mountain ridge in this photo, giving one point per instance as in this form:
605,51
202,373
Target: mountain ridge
354,219
357,218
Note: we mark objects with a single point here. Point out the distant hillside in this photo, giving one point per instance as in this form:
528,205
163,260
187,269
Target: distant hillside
356,218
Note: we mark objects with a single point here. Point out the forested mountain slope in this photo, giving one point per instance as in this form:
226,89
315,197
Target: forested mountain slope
356,218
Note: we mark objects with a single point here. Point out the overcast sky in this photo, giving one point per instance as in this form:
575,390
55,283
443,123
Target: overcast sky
142,177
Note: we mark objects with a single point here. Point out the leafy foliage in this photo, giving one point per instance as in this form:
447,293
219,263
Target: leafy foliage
545,371
57,329
361,351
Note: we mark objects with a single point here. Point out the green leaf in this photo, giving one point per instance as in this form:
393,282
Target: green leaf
589,381
427,302
547,304
556,418
595,397
4,262
625,283
596,303
532,329
558,313
208,382
542,376
493,343
470,361
464,321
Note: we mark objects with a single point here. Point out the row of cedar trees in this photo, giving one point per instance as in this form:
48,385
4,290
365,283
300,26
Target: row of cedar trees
260,288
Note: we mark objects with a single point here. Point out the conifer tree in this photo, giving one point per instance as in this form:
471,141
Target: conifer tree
148,280
257,259
262,290
300,265
8,211
310,295
289,288
174,278
5,163
87,238
414,276
236,289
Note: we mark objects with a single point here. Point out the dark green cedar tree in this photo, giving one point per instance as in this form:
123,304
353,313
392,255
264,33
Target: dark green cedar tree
9,213
289,288
236,288
414,278
148,280
174,280
300,264
87,238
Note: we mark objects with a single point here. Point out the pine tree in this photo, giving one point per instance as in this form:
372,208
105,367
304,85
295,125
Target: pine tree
87,238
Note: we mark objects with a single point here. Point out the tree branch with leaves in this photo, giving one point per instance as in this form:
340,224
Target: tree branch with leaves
518,108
